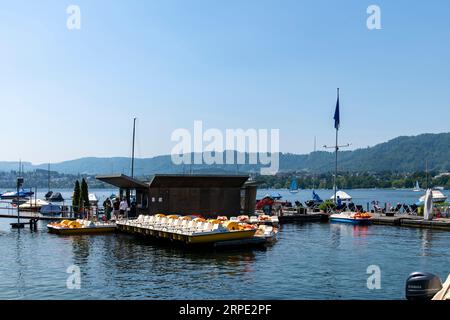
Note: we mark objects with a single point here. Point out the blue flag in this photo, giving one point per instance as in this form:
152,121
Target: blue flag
336,114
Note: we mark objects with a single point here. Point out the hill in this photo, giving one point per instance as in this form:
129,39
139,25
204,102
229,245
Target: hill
402,154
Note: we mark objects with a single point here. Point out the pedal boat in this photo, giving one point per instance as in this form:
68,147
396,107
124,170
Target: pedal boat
351,217
226,231
188,230
68,227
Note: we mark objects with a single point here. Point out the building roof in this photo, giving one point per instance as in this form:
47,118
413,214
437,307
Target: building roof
122,181
197,181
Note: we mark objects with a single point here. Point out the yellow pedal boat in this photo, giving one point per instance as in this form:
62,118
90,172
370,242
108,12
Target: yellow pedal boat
68,227
210,237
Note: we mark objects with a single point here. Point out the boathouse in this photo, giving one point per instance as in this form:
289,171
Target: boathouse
207,195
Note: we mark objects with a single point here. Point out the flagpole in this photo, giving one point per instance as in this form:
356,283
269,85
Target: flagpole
336,160
132,152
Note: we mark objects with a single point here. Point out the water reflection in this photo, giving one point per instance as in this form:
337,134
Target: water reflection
20,281
426,243
347,229
80,250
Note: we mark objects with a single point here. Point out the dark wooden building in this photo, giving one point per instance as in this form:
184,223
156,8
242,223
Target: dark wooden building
207,195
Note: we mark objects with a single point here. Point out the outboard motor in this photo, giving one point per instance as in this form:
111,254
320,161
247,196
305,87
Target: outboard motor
422,286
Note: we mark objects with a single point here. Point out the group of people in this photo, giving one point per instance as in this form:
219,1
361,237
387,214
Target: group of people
115,210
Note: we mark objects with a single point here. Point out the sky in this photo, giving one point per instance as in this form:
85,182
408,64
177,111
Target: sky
66,94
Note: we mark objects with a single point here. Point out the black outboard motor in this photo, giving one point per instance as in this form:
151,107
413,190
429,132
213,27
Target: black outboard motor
422,286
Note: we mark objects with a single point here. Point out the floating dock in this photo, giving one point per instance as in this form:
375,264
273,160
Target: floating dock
244,238
308,217
412,222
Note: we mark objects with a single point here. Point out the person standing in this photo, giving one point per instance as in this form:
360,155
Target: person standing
107,206
123,207
116,208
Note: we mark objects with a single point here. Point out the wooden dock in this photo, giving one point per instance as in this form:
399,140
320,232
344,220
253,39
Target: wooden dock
308,217
34,217
412,221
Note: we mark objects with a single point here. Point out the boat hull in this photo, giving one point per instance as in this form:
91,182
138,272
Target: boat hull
223,236
352,221
75,231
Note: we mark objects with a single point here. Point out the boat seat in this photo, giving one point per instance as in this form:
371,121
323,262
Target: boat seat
207,227
199,226
184,224
190,228
218,227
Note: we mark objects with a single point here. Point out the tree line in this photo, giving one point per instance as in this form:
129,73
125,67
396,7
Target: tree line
352,180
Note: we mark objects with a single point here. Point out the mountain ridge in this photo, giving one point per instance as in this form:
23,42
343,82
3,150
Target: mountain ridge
400,154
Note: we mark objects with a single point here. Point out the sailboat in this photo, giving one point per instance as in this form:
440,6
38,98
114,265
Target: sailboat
417,187
294,187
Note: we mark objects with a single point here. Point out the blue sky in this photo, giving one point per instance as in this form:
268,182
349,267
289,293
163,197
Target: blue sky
232,64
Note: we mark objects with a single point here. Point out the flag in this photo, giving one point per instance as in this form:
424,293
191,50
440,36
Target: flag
336,114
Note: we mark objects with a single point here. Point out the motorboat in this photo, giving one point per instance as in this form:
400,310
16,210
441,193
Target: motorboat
14,194
79,226
351,217
33,205
426,286
48,195
55,197
438,196
51,210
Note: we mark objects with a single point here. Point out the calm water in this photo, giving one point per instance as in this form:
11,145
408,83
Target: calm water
309,261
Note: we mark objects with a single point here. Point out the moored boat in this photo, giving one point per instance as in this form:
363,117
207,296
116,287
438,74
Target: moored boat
68,227
33,205
438,196
187,230
351,217
14,195
269,233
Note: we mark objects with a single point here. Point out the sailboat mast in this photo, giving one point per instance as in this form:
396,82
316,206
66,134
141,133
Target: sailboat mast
132,152
48,177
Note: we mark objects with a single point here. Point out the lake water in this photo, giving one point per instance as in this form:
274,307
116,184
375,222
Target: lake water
309,261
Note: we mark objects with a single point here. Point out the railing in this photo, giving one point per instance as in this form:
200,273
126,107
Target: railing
8,210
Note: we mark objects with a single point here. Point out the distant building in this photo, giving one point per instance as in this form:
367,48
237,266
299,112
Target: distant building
444,174
207,195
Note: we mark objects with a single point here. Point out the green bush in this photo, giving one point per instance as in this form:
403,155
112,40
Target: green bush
327,205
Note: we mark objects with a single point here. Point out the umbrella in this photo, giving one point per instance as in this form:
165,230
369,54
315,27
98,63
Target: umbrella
428,205
344,196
